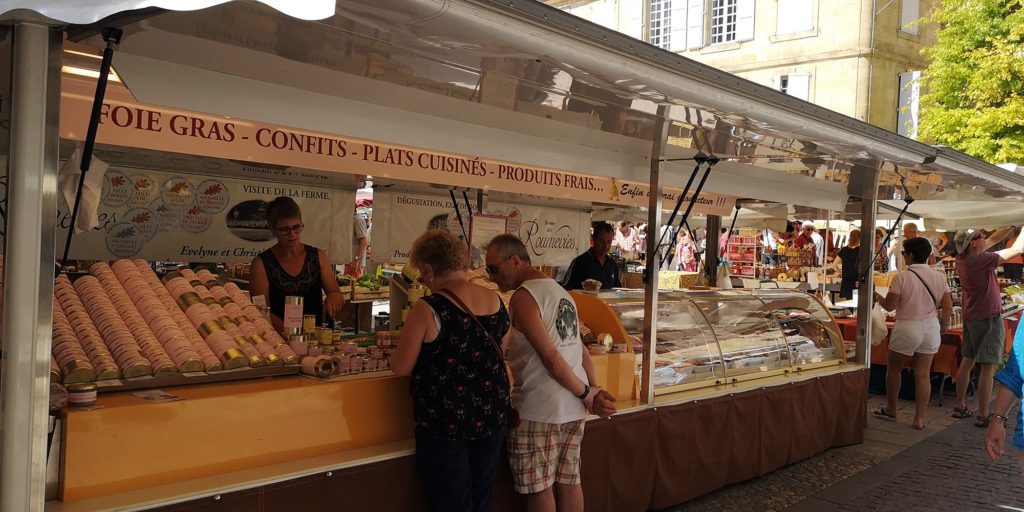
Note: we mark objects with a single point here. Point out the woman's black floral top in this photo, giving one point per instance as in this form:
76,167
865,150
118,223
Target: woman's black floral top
459,386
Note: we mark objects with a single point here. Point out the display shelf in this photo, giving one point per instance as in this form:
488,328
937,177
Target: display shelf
183,379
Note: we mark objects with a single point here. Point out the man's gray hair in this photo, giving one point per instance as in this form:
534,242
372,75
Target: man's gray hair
508,246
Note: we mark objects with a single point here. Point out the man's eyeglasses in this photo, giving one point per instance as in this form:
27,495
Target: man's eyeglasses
290,229
493,269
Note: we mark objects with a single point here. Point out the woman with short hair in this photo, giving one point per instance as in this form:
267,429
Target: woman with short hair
452,346
923,304
292,268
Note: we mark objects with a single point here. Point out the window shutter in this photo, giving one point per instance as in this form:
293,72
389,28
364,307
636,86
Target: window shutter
677,26
634,11
909,13
744,20
794,16
694,24
910,95
799,85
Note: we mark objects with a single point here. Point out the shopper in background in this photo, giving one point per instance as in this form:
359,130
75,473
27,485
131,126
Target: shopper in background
626,240
555,384
686,252
595,263
291,268
1013,267
984,334
723,243
849,258
460,389
667,239
881,254
917,295
641,244
910,233
1011,383
808,237
360,242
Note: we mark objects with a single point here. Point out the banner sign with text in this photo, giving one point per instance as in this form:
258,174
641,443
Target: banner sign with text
174,217
553,236
165,129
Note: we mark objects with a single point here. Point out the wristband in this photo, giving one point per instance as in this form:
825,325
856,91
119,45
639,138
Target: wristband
586,391
998,417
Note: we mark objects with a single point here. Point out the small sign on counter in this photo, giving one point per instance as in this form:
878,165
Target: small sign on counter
157,395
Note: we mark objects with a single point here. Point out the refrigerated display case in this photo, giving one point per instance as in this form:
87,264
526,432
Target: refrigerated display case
715,337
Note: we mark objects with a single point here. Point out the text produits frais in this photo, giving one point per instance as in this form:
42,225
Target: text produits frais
542,177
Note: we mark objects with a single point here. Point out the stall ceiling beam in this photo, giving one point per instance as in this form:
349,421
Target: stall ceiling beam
29,258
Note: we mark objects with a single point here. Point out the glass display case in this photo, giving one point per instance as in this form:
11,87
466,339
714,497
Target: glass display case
706,338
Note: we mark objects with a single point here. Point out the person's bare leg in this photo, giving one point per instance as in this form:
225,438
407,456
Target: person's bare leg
543,501
569,497
985,374
922,387
963,377
894,365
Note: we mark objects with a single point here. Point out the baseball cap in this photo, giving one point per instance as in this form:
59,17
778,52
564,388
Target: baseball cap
964,238
807,224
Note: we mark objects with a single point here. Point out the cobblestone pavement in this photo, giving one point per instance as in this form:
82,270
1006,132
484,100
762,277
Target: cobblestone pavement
896,468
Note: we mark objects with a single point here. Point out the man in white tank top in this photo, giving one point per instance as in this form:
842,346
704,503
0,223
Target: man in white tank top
553,377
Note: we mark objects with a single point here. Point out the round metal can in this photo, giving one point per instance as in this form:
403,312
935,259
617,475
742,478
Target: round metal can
82,394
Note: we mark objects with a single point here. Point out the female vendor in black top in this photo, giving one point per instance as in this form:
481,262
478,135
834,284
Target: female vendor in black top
293,268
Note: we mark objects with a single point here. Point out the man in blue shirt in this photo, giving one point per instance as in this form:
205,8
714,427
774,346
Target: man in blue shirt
595,263
1010,384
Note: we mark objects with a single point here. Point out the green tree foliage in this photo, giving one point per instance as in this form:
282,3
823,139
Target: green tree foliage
975,80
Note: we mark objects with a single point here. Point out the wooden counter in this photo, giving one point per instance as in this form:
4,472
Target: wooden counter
133,443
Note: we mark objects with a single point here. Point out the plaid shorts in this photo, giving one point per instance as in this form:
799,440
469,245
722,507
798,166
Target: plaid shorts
541,454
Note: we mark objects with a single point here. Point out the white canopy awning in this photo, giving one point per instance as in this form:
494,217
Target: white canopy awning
84,12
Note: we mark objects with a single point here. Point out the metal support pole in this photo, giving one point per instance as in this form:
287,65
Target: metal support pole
29,255
653,260
869,199
712,249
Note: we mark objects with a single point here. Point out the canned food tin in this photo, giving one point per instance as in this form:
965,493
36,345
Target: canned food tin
82,394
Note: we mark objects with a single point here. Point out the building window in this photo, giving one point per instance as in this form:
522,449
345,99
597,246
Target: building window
794,16
797,85
661,23
723,21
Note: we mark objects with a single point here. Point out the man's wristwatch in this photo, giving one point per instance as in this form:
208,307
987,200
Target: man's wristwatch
998,417
586,391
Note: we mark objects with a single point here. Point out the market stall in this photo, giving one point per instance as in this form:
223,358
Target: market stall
370,92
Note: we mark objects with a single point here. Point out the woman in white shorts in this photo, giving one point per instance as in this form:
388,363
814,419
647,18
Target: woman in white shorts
923,304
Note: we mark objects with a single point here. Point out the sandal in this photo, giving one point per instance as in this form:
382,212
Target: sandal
981,422
882,413
961,413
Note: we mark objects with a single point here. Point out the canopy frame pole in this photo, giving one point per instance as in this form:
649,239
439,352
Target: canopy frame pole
865,296
112,36
653,254
30,250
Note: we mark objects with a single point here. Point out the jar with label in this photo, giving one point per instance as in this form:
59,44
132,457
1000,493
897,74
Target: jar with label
292,320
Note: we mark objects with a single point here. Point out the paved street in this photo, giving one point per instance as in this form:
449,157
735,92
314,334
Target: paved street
897,468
